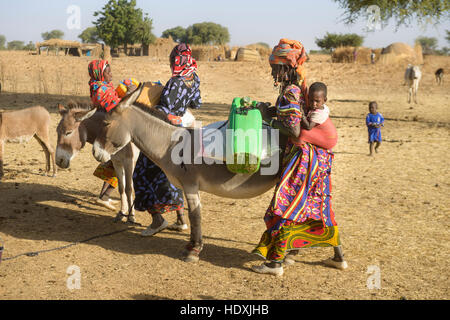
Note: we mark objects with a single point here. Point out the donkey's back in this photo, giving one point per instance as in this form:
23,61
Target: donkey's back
24,123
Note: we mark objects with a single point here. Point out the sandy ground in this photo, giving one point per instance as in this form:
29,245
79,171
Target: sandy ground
392,209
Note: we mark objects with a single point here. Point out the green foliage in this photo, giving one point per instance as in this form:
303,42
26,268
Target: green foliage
30,46
404,12
2,42
429,44
207,33
333,40
448,36
178,34
444,51
144,32
54,34
319,52
121,23
16,45
89,35
199,33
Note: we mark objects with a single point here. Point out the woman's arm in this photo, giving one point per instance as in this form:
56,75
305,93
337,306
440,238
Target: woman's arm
290,131
268,113
307,125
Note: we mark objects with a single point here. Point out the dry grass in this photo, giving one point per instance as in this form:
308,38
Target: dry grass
392,209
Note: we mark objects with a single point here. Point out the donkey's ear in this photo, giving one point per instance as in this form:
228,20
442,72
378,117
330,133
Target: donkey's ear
83,115
131,98
62,110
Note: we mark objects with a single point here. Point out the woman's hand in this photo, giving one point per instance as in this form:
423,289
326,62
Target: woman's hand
131,88
265,112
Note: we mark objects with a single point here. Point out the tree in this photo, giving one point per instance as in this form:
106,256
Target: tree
121,23
333,40
2,42
16,45
30,46
178,34
144,33
448,36
54,34
207,33
429,44
89,35
404,12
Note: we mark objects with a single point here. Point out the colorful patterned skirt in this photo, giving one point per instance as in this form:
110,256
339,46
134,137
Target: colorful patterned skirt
106,172
153,191
300,213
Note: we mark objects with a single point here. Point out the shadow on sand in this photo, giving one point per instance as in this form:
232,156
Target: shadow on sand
28,214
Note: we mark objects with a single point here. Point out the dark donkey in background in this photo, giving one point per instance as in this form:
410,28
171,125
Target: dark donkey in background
80,124
21,126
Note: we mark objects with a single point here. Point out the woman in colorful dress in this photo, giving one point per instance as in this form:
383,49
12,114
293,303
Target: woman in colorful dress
104,97
153,191
300,213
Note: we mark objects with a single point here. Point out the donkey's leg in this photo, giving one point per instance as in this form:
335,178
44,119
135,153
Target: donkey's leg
47,154
195,245
118,167
1,158
128,167
42,138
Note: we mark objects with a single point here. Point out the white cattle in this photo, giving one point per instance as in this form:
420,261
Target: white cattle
412,79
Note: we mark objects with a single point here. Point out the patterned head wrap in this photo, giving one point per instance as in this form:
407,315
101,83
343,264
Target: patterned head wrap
181,61
291,53
96,69
103,93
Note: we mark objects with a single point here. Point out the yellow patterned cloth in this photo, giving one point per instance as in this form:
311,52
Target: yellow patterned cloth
106,172
310,233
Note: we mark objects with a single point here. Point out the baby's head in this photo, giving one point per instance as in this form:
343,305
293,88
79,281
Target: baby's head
317,95
373,107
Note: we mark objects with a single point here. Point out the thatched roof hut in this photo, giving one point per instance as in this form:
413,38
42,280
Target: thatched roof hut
246,54
68,47
399,52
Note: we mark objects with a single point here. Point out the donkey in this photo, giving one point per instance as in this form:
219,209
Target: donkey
413,75
439,75
155,138
22,125
80,124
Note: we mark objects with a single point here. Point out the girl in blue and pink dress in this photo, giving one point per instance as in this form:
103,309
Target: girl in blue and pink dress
374,122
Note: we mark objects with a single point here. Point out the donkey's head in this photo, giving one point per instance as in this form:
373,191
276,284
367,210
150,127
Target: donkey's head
115,134
71,139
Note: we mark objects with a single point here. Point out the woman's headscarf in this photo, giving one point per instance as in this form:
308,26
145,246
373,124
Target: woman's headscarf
291,53
181,61
103,93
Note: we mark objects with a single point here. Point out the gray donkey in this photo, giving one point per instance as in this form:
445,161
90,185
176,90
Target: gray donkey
155,138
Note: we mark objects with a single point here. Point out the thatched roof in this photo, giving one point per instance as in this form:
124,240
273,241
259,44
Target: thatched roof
401,51
59,43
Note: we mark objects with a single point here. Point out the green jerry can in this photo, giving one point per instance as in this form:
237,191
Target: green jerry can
244,137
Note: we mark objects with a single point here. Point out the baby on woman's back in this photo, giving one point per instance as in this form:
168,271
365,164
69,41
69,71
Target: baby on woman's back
316,125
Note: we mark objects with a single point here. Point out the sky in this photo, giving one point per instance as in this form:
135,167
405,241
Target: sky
248,21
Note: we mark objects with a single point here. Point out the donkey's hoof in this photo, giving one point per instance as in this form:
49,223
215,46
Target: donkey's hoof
132,220
192,257
119,217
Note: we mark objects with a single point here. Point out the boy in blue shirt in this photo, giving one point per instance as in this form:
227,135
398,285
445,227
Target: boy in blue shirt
374,122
